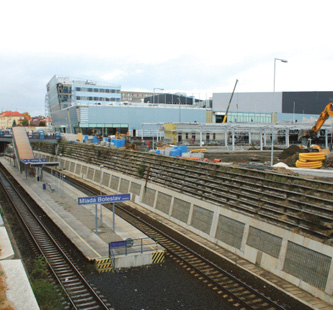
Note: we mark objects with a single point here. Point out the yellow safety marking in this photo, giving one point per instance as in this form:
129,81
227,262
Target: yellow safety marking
103,265
158,257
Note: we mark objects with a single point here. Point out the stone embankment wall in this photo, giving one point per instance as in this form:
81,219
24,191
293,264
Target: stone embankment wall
279,222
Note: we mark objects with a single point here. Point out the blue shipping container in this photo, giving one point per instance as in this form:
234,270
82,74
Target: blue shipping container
183,148
175,153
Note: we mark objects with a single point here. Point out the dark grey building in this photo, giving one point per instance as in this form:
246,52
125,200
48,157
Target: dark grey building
312,102
172,99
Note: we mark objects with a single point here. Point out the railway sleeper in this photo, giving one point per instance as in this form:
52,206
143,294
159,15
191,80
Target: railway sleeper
87,305
67,274
85,295
87,298
77,290
210,271
70,280
257,301
93,308
59,264
246,295
74,283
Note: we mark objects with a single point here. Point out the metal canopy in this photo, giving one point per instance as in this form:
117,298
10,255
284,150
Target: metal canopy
42,164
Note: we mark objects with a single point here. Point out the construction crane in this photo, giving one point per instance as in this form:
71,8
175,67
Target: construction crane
226,112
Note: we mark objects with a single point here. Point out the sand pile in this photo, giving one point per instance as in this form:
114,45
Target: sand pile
290,155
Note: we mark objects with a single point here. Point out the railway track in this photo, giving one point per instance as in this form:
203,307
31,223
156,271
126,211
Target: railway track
233,290
80,294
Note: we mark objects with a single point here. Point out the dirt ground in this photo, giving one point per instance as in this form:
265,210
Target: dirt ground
287,156
245,157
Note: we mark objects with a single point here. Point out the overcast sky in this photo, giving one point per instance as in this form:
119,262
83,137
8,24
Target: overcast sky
196,47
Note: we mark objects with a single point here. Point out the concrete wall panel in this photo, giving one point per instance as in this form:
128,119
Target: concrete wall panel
202,219
149,197
230,231
97,176
264,242
78,169
181,210
72,167
307,265
135,188
114,182
90,174
106,179
124,184
163,202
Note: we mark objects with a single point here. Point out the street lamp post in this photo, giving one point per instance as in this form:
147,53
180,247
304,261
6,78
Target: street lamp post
272,145
100,193
153,113
275,59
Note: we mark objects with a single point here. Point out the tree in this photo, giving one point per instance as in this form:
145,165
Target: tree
25,122
42,124
26,115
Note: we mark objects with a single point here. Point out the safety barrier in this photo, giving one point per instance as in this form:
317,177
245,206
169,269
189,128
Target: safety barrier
104,265
131,246
158,257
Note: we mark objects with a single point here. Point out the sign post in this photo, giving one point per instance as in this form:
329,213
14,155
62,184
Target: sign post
96,224
113,218
104,199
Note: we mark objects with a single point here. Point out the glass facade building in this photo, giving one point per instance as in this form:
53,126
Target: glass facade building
89,107
64,92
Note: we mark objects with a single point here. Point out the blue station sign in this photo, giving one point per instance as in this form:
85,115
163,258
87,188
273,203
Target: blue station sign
33,160
103,199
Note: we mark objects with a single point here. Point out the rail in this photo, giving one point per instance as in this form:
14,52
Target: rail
79,292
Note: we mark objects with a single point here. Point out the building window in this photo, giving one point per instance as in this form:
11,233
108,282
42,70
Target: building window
186,135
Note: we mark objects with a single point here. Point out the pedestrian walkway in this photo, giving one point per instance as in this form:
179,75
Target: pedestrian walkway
18,290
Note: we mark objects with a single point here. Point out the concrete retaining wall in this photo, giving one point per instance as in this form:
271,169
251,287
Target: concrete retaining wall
302,261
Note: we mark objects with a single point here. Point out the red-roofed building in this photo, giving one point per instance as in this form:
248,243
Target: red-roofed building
8,117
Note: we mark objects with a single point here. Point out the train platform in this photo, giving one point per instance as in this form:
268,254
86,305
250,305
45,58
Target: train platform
130,247
18,289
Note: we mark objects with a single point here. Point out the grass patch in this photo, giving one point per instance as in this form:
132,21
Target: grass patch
45,290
